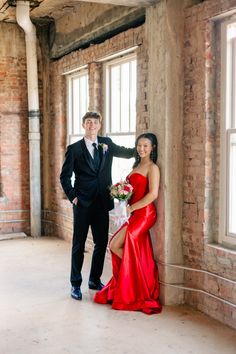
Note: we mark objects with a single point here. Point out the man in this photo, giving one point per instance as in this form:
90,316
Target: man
91,160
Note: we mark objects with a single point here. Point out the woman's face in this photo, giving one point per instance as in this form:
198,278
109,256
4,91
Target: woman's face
144,147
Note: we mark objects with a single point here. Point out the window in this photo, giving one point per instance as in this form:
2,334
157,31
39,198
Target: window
78,103
121,109
228,135
232,182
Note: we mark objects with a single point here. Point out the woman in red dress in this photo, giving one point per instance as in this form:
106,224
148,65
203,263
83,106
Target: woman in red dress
134,284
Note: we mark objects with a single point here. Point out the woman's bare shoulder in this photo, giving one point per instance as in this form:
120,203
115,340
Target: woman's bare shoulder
153,168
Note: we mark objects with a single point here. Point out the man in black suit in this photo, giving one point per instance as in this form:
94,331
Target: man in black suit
91,160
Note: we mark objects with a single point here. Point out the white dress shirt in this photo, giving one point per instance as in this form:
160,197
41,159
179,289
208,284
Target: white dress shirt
89,145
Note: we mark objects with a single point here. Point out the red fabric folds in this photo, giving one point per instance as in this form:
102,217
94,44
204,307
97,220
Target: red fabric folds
134,285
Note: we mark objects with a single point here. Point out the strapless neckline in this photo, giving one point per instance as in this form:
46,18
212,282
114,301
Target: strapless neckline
137,173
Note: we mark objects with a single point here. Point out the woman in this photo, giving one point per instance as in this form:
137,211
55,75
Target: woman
134,284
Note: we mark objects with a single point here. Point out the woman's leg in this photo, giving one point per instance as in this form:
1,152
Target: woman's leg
117,242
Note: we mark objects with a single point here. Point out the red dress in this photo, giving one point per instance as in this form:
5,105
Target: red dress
134,284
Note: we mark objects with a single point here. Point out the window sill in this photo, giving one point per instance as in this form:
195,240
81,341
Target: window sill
222,247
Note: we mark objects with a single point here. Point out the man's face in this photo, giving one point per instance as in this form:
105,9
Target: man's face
91,127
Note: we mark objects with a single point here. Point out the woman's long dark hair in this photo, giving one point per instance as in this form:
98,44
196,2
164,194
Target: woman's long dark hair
154,142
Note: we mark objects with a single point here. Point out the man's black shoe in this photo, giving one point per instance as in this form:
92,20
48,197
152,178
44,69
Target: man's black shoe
76,293
95,286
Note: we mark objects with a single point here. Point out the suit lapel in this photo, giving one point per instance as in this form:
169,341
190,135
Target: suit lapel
87,155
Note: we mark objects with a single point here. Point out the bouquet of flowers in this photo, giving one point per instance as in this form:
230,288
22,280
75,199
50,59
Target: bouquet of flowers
121,191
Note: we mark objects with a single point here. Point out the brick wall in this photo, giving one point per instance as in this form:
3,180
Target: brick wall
57,218
14,165
201,167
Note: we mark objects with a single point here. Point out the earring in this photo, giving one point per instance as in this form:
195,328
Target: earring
151,155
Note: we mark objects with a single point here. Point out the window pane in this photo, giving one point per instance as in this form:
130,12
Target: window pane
74,138
227,205
233,79
70,110
121,110
133,96
232,184
75,110
83,97
231,31
125,97
122,167
78,102
115,99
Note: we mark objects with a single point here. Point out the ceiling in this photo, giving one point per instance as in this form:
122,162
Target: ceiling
57,8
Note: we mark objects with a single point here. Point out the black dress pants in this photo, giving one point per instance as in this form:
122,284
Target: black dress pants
98,218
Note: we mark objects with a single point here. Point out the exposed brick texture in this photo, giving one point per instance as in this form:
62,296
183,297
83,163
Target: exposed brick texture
201,165
14,164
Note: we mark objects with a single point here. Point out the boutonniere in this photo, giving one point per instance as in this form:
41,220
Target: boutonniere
104,147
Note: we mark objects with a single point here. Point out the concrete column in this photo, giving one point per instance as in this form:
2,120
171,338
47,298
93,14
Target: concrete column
165,38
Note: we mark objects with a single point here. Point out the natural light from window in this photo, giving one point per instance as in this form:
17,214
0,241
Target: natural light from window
121,84
228,135
232,184
78,99
230,128
78,103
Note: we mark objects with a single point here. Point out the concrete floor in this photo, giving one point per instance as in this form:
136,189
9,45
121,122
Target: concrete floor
38,316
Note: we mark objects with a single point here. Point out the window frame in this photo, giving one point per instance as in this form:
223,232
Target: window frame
70,118
120,60
110,62
227,110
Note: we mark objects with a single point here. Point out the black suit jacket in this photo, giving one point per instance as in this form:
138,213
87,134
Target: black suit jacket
88,181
